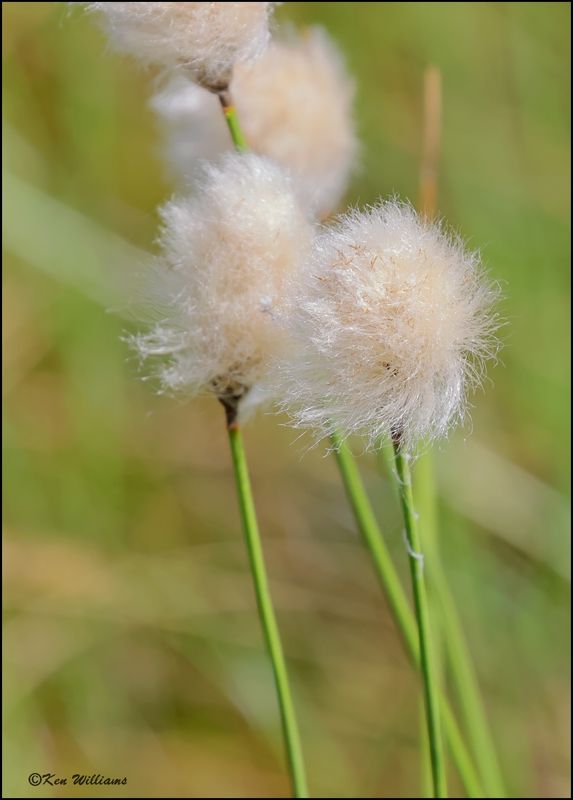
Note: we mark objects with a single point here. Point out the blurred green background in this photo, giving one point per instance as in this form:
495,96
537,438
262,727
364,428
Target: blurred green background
132,646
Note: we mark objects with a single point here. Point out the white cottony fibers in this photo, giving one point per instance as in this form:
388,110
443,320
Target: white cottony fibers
207,39
219,284
294,105
390,328
192,126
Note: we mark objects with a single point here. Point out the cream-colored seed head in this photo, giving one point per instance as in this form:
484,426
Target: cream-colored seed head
227,256
294,105
389,329
206,39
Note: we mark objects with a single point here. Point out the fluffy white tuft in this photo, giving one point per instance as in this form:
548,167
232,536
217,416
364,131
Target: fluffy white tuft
207,39
228,254
193,128
294,105
390,328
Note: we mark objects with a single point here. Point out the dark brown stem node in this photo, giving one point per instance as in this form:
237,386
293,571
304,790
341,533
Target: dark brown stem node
231,405
224,96
396,435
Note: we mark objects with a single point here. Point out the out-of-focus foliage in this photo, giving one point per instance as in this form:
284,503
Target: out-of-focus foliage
132,646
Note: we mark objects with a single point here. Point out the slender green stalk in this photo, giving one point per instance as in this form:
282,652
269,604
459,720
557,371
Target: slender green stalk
426,767
456,649
459,751
385,457
266,613
452,635
232,120
368,526
466,684
425,505
396,597
424,488
422,611
451,632
254,547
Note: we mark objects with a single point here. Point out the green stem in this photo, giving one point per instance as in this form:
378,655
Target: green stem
390,583
232,120
426,770
266,612
464,677
453,639
385,457
368,527
424,500
457,652
254,547
422,611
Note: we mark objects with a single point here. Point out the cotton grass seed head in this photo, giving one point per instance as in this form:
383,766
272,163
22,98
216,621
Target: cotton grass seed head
294,105
390,328
227,256
204,39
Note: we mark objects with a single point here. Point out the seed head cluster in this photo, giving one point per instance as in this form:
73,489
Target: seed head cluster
377,324
295,106
205,40
390,326
228,254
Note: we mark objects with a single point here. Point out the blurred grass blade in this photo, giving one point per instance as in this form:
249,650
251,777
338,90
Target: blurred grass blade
65,245
505,499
